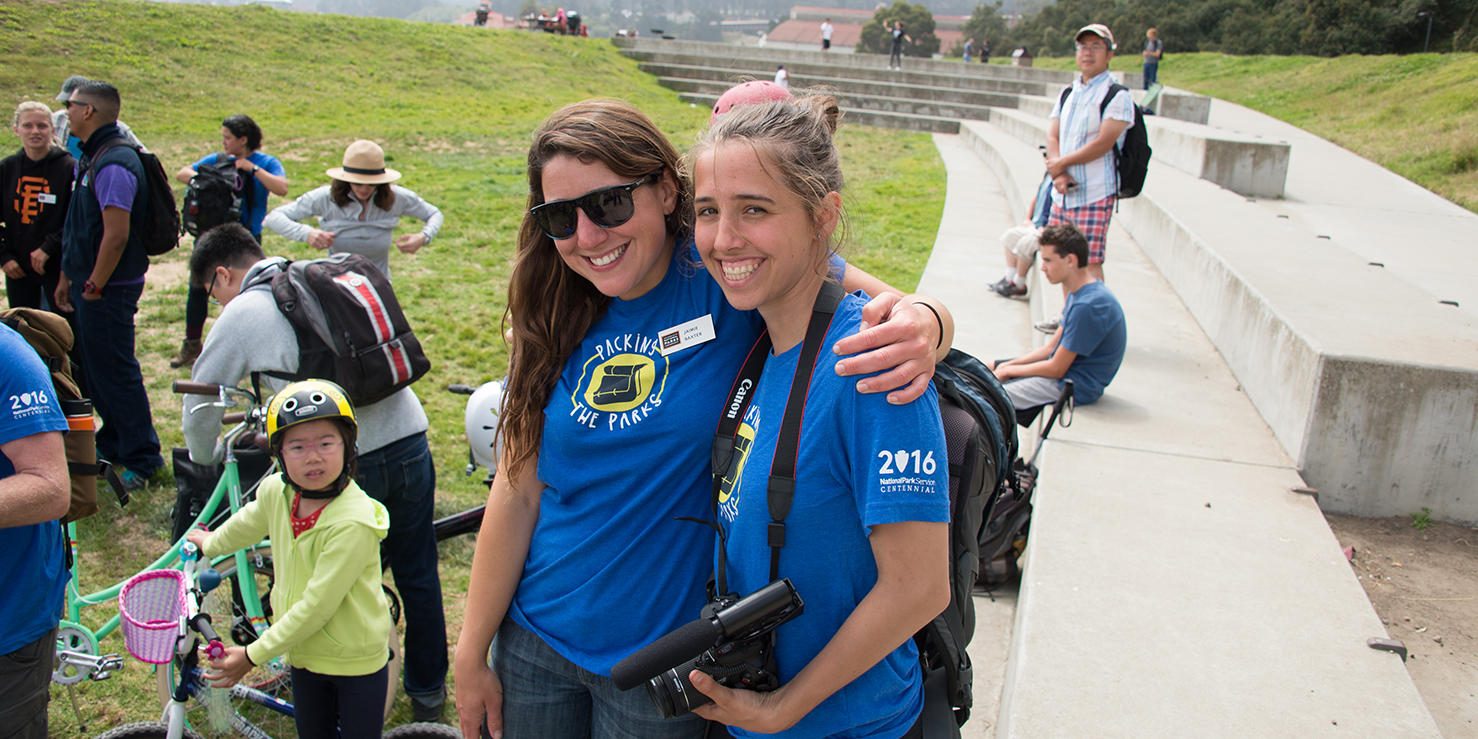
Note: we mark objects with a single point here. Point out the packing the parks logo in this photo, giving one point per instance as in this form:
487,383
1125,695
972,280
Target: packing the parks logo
620,384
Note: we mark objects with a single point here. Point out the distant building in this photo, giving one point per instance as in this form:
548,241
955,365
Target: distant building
802,31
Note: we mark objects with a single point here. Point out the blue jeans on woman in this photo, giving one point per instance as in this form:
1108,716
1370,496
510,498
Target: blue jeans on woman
402,477
546,695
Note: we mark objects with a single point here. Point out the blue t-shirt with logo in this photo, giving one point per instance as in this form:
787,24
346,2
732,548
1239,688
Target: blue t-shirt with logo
32,575
625,451
861,462
253,212
1093,328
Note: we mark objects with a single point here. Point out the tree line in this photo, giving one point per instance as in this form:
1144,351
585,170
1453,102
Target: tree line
1313,27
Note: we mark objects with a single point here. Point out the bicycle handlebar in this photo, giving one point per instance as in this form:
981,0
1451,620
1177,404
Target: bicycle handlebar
231,419
186,387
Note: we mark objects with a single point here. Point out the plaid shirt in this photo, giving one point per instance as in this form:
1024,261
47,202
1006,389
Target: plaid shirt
1078,126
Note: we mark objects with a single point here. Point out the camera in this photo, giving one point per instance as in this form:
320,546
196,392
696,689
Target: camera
732,641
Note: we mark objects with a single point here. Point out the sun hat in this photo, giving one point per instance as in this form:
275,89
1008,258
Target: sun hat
364,164
748,93
71,83
1097,29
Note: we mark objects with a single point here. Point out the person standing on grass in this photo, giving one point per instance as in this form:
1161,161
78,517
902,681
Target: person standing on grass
359,210
103,266
1154,48
394,464
35,189
259,173
34,493
330,616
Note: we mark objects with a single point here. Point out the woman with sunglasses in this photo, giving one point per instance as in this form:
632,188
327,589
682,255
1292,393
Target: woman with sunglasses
359,210
622,350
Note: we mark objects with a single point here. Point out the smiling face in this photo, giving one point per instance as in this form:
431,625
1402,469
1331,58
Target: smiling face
758,239
624,261
313,454
1093,55
34,130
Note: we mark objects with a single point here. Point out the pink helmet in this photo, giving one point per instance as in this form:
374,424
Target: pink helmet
748,93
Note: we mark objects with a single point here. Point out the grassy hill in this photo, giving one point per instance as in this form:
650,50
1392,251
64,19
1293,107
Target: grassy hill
454,108
1416,115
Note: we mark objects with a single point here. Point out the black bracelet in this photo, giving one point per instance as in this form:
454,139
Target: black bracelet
937,319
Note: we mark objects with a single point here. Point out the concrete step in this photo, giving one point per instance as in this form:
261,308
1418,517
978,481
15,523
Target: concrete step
758,69
887,88
903,105
1174,583
1242,163
861,116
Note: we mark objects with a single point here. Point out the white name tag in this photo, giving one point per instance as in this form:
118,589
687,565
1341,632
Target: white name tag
686,335
46,198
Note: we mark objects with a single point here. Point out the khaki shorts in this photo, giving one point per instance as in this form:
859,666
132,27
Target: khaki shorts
1021,241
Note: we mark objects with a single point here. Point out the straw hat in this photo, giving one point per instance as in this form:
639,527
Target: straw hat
364,164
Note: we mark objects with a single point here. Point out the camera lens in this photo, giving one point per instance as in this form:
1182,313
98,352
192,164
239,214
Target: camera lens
673,693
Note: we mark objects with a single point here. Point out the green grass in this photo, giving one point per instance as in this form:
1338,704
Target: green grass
454,108
1416,115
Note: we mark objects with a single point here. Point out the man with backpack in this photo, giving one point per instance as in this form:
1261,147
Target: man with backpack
104,258
33,496
228,185
1080,143
253,336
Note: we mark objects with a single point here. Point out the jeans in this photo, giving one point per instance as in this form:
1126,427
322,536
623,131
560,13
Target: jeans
25,681
401,476
546,695
331,706
1151,74
105,340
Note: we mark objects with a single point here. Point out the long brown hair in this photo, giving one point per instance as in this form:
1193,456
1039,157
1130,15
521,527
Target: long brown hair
339,192
550,306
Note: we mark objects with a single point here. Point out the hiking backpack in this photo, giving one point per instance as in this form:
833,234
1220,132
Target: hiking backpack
213,197
349,326
980,438
51,337
159,229
1132,160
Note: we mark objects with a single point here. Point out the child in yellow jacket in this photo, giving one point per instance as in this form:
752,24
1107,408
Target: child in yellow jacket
331,618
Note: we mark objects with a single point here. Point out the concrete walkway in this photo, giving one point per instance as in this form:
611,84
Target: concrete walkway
1174,584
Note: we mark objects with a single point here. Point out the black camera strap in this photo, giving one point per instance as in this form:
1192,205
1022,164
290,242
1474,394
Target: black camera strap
781,483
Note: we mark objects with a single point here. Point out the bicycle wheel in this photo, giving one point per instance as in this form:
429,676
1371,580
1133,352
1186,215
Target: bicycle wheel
144,730
423,730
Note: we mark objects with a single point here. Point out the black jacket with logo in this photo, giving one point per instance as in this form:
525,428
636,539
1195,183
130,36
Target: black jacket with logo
33,204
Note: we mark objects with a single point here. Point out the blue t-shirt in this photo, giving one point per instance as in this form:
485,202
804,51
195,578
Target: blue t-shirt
32,575
1093,328
625,450
254,211
861,462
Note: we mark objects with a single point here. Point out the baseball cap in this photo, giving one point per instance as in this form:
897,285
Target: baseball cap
72,83
748,93
1097,29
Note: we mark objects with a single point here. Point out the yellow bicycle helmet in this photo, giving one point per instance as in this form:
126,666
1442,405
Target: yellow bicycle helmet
313,400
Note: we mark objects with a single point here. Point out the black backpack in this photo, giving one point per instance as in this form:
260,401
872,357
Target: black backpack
349,326
159,229
213,197
1132,160
980,437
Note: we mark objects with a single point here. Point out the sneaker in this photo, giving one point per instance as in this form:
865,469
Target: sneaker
1048,326
132,480
998,284
428,709
189,352
1010,290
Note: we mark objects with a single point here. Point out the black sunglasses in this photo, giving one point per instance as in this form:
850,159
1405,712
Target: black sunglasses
70,103
607,207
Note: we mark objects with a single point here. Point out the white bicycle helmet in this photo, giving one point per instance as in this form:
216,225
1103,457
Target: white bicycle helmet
481,422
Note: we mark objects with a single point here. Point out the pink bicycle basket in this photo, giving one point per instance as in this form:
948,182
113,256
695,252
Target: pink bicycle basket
150,606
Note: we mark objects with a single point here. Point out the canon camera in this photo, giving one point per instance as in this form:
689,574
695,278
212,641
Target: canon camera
733,642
